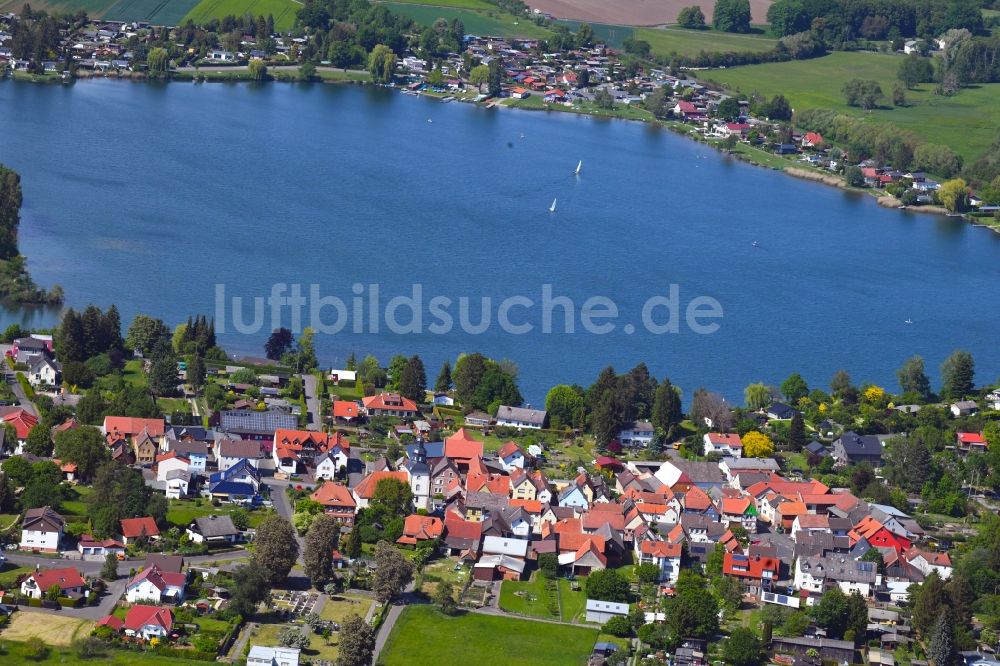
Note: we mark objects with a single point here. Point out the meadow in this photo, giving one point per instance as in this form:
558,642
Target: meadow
424,637
665,41
967,122
283,11
477,22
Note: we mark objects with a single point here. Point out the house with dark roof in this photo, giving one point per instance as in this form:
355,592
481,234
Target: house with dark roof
780,411
852,448
520,417
251,424
213,529
42,530
237,483
230,450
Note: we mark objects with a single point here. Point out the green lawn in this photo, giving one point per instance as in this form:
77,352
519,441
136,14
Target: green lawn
133,373
78,505
283,11
536,102
572,603
493,22
182,512
92,7
612,35
665,41
17,654
425,637
267,634
533,597
967,122
341,75
171,405
9,573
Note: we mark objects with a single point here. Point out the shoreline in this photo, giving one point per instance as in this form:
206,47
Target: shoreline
351,77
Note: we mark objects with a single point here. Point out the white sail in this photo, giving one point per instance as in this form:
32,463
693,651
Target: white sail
578,167
552,208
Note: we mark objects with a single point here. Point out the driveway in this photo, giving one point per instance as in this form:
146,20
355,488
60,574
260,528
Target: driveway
284,508
310,385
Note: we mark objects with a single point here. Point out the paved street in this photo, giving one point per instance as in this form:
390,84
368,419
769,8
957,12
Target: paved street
284,507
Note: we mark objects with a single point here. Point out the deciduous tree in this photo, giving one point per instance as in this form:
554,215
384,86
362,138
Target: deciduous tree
275,549
357,642
393,572
317,558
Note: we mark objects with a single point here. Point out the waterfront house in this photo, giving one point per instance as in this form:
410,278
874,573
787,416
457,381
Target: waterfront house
42,529
725,444
963,408
390,404
852,448
637,434
520,417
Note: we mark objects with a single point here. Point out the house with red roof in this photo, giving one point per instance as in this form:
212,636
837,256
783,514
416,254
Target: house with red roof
462,448
417,529
126,427
153,585
136,528
22,421
337,502
71,584
664,554
148,622
462,536
723,443
927,562
88,545
812,140
365,490
879,536
346,411
757,569
390,404
588,556
116,624
511,456
970,442
741,511
294,450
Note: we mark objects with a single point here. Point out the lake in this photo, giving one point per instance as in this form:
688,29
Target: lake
152,196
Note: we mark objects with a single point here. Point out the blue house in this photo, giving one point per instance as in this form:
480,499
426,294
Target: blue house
239,482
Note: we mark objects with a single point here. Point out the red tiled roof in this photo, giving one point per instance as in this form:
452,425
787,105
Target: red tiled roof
135,527
334,495
23,421
508,449
696,499
725,439
366,487
530,506
127,426
971,438
735,506
660,549
389,401
65,578
462,446
140,615
111,621
345,409
462,529
420,528
754,565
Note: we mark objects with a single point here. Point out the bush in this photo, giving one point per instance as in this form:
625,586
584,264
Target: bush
618,626
36,649
90,647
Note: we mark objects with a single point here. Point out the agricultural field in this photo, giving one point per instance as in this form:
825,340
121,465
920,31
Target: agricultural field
424,637
283,11
967,122
476,22
635,12
55,630
665,41
481,5
18,653
157,12
92,7
612,35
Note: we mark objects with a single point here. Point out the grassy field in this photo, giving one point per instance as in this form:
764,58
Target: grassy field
425,637
267,634
157,12
967,122
55,630
9,573
92,7
665,41
206,10
612,35
339,608
133,373
182,512
623,111
537,599
477,22
16,653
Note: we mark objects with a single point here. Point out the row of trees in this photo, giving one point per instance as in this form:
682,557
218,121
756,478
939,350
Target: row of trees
842,21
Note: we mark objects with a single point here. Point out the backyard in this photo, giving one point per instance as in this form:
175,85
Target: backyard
558,599
424,637
967,122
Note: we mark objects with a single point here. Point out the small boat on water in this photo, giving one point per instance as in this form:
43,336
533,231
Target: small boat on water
578,167
755,244
908,321
552,208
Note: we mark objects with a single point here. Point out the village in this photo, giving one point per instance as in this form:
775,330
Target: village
732,534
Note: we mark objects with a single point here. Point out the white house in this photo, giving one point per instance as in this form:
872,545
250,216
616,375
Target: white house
511,456
993,399
817,574
170,462
222,56
602,611
154,586
213,529
494,545
520,417
69,580
228,452
964,408
42,530
178,482
260,655
148,622
443,400
330,462
666,556
44,372
726,444
927,562
638,434
573,496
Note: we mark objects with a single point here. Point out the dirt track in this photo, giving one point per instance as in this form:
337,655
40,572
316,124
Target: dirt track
634,12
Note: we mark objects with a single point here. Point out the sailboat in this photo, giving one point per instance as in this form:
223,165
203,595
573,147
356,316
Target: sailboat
908,321
578,167
552,208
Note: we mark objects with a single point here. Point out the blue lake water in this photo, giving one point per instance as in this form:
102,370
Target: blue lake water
148,196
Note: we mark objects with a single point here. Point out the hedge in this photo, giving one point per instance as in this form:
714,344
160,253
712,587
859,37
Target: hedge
26,385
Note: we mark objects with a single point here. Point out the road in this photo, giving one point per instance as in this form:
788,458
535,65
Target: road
405,599
93,567
271,68
284,507
310,386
